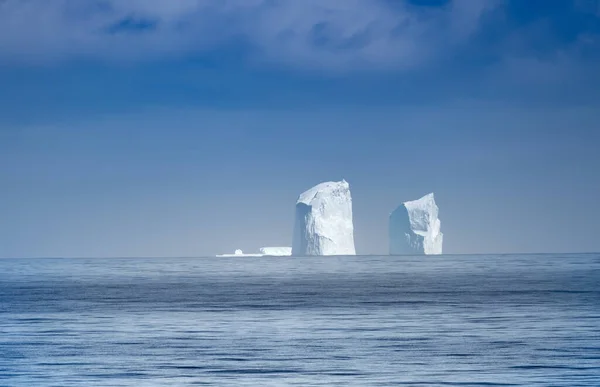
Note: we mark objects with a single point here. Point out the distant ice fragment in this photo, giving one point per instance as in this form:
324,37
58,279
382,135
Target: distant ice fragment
414,228
239,253
276,251
323,224
270,251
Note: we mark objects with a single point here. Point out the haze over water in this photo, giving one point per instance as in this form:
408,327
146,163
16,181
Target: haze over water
495,320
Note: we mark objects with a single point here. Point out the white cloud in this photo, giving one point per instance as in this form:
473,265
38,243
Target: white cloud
320,34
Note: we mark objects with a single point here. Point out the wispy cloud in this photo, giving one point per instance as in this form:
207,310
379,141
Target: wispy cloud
330,34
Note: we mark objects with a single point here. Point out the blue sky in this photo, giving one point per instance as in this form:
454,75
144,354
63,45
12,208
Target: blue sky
189,127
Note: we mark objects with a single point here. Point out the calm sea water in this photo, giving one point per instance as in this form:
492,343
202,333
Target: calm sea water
514,320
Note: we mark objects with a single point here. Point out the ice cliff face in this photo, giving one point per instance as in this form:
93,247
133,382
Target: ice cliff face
415,228
276,251
323,223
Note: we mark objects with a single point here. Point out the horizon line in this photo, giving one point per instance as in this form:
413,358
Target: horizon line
300,256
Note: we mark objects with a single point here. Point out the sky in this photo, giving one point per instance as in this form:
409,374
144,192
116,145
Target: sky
190,127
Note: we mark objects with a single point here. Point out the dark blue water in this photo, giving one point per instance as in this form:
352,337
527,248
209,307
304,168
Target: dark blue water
528,320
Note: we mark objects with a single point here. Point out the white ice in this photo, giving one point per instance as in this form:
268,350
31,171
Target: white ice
276,251
239,253
323,224
414,228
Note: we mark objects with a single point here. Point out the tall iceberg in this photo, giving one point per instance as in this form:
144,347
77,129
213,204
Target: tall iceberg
415,228
323,224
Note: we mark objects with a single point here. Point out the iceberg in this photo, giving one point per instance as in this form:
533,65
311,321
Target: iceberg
323,224
276,251
415,228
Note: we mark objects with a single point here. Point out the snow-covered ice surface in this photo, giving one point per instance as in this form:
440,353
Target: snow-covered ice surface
323,224
276,251
414,228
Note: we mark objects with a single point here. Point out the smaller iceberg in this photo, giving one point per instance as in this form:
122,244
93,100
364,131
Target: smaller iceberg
415,228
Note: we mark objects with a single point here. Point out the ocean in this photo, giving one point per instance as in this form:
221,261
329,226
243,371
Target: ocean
473,320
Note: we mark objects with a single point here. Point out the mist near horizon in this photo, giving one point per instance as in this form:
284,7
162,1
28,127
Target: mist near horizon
153,185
